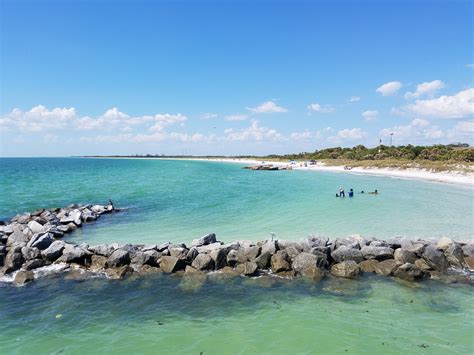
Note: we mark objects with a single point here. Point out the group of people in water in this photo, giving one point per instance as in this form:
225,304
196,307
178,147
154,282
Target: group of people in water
342,193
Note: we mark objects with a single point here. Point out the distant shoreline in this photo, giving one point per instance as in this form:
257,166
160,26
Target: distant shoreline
450,177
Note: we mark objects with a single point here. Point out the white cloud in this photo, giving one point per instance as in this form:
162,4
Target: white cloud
38,119
416,131
321,109
208,116
267,107
236,117
370,115
354,99
463,131
390,88
471,65
110,119
427,88
354,133
165,120
253,133
456,106
305,136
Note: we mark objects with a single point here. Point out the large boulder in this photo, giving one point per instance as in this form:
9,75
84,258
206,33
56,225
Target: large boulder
33,264
403,256
469,261
74,254
98,263
41,241
270,246
102,249
140,258
444,243
344,253
408,272
247,269
119,272
468,249
219,256
119,257
369,265
54,251
235,257
386,267
203,262
13,261
306,262
35,227
280,261
454,255
179,252
348,268
435,258
375,252
204,240
252,252
30,253
263,261
24,276
170,264
17,238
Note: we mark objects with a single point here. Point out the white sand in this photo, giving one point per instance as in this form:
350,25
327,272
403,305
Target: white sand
451,177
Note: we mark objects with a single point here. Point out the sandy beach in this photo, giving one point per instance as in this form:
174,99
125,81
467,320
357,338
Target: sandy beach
450,177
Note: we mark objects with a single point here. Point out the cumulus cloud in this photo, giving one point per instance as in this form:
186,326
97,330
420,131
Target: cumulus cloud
267,107
110,119
426,88
236,117
305,136
38,119
370,115
462,131
456,106
390,88
254,132
320,109
417,130
165,120
354,99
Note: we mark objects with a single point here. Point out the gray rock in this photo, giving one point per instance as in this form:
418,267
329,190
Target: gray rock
348,268
30,253
41,241
417,248
219,256
379,253
468,249
210,247
74,254
353,241
263,261
379,243
422,265
13,261
444,243
270,246
54,251
247,269
369,266
24,276
170,264
140,258
252,252
305,261
386,267
17,238
435,258
33,264
191,255
98,262
454,255
35,227
404,256
204,240
345,253
118,273
280,261
292,252
118,258
179,252
203,262
235,257
103,249
154,257
163,246
408,272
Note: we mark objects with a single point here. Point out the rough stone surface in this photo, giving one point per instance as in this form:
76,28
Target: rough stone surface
375,252
304,261
24,276
386,267
263,261
435,258
118,258
444,243
103,249
270,246
469,260
170,264
204,240
98,262
119,272
35,227
454,255
403,256
203,262
235,257
422,265
247,268
41,242
280,261
408,272
74,254
220,258
468,249
348,268
252,252
54,251
33,264
369,265
13,261
30,253
344,253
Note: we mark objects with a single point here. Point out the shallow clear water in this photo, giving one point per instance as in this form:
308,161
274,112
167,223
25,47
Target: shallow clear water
181,200
166,315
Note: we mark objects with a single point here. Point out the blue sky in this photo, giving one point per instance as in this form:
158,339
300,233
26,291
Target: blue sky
232,77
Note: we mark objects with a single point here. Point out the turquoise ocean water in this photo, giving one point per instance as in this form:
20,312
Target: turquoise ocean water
181,200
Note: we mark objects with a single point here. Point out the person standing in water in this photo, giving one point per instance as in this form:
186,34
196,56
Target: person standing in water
341,192
351,193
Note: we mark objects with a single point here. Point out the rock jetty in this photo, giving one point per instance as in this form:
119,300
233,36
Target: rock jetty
31,242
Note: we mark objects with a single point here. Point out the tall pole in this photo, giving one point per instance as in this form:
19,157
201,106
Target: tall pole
380,145
391,135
